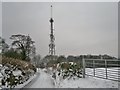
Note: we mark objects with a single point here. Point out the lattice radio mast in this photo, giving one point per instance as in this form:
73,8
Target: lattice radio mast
52,38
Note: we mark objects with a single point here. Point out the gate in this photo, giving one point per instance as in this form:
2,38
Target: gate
102,68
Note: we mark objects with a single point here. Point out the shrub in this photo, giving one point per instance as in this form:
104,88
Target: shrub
69,70
10,79
13,54
11,66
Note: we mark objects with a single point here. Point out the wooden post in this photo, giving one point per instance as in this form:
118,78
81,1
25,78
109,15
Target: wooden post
83,60
106,68
94,67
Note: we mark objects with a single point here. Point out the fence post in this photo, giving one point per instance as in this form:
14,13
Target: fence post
83,60
94,67
106,68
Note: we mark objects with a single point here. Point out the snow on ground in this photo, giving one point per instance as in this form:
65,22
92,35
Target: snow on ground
32,78
44,80
17,72
0,75
92,82
88,82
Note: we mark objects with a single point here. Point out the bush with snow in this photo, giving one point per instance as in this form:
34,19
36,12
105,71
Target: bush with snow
69,70
14,72
12,76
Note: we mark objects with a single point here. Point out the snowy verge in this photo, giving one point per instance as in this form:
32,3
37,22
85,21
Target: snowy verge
27,82
15,73
88,82
45,80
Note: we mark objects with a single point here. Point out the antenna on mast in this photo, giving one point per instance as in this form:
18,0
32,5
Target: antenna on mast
51,11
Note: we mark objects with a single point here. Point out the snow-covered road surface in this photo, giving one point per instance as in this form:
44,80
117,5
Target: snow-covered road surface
43,80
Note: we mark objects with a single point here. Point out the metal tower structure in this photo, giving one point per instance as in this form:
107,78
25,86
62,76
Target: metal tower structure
52,38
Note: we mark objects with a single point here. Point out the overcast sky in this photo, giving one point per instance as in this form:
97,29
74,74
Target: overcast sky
80,28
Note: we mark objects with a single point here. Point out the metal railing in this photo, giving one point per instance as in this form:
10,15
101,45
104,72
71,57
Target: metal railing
102,68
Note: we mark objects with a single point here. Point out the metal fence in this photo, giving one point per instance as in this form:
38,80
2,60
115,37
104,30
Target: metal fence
106,69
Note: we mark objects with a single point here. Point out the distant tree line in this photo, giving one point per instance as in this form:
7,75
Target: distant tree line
70,58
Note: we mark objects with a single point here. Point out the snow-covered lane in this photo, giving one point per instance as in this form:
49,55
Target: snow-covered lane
43,80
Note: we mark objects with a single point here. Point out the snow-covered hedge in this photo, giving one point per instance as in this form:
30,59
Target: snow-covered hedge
68,70
14,72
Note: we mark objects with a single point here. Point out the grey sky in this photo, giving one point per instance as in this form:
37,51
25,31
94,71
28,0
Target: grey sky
80,28
0,18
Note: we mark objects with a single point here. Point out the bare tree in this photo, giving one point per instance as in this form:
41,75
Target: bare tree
24,44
